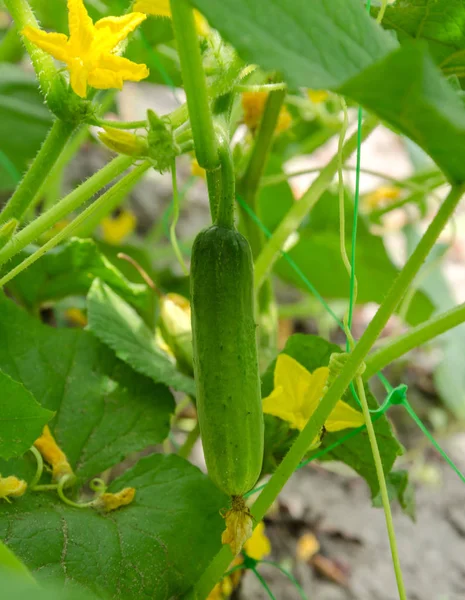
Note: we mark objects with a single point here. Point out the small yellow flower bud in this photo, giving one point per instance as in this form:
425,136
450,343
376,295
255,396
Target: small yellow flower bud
109,501
76,316
123,142
54,455
318,96
197,170
253,104
258,546
116,229
12,487
383,195
175,326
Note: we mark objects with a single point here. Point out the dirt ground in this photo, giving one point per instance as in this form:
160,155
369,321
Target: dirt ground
352,535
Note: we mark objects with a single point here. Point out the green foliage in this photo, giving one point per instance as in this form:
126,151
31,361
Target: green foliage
439,23
21,418
400,488
104,410
118,326
69,270
144,550
15,587
24,122
313,352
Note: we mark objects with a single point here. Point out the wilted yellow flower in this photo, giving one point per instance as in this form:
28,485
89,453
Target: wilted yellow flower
161,8
76,316
53,454
116,229
111,501
11,487
318,96
123,142
382,195
90,51
253,105
197,170
297,393
239,525
258,546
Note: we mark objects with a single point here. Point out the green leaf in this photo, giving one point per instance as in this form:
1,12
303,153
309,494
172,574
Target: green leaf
401,489
156,547
118,325
335,45
15,587
24,122
21,418
319,257
313,352
320,44
69,270
104,410
441,23
11,563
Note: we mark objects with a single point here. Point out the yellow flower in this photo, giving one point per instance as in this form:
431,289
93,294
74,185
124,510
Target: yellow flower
297,393
123,142
90,51
76,316
258,546
109,501
11,487
161,8
116,229
197,170
383,195
253,105
239,525
53,454
317,96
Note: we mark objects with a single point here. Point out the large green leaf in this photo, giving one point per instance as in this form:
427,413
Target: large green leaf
313,352
118,326
104,410
319,257
335,45
155,548
69,270
21,418
15,587
24,122
441,23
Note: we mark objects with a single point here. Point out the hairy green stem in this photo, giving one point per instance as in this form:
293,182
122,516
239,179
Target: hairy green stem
292,459
65,206
38,173
393,349
100,206
300,209
195,84
225,214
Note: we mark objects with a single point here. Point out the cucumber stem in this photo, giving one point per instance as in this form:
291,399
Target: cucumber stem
225,215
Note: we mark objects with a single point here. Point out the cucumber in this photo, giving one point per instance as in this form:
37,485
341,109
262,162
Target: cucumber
225,358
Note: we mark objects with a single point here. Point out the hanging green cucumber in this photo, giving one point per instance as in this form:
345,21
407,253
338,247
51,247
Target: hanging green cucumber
225,349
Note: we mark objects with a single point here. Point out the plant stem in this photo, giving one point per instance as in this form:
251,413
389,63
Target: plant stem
413,338
225,213
37,175
121,124
51,82
65,206
383,488
300,209
194,84
118,191
292,459
185,450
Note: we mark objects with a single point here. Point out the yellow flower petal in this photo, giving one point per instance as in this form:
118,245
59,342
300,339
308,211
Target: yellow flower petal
81,27
344,416
53,454
55,44
115,29
239,525
116,229
315,391
78,78
124,67
383,195
112,501
157,8
11,486
258,546
317,96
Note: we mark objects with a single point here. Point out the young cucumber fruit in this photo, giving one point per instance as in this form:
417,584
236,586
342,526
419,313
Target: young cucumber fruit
225,359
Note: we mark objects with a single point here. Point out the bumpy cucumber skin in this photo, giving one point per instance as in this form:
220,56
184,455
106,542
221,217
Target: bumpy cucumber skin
225,359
